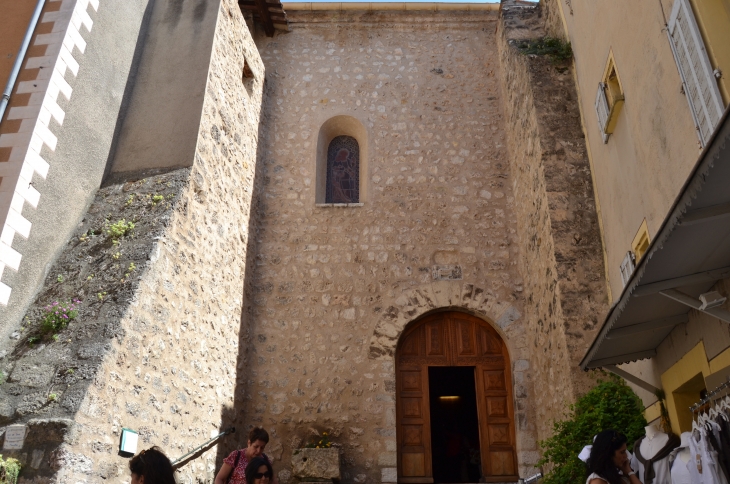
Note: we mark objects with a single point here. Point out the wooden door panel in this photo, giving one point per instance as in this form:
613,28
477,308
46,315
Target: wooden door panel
412,381
414,431
414,465
435,338
464,338
411,345
499,434
497,407
496,426
411,407
502,463
494,381
489,341
413,435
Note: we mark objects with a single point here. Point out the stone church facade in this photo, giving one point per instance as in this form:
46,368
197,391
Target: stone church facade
245,295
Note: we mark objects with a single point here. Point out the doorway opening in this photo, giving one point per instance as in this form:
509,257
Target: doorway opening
456,455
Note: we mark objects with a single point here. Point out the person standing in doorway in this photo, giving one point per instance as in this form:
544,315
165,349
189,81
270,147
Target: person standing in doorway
233,470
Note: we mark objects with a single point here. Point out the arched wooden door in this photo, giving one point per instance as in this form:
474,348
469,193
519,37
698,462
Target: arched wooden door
454,339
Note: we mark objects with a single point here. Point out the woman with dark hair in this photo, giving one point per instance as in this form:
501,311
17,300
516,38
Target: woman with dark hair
233,470
151,466
609,462
259,471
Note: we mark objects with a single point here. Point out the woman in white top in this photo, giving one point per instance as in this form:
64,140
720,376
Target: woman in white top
609,461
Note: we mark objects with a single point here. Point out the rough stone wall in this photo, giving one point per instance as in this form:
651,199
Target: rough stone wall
561,254
154,347
553,20
335,286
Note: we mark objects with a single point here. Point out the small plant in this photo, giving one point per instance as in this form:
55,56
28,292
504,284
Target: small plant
90,277
52,397
33,340
558,50
320,442
116,255
70,371
130,200
59,278
9,470
119,229
157,199
54,337
58,315
101,295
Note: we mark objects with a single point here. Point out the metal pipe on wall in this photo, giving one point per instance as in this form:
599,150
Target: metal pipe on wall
19,59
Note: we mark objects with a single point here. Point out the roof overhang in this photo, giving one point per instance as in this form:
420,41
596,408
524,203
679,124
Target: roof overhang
689,254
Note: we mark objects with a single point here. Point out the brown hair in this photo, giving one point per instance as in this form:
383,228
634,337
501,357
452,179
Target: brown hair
154,466
258,433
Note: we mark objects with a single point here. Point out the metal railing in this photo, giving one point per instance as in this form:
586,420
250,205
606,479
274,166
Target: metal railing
181,461
531,480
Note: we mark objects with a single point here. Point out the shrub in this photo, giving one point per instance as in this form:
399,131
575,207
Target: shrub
558,50
9,470
609,405
58,315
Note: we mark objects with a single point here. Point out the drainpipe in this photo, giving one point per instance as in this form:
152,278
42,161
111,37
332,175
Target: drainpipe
19,59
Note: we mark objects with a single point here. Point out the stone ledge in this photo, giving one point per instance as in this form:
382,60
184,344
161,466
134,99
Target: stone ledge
324,205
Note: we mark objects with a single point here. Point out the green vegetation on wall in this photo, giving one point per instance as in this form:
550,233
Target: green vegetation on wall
556,49
611,404
9,470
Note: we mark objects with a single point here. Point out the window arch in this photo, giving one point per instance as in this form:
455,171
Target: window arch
341,162
343,170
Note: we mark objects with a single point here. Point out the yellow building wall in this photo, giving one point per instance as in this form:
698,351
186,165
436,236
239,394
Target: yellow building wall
654,145
713,17
682,383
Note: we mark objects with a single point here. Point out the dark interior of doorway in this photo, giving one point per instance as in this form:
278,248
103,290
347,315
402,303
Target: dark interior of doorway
454,424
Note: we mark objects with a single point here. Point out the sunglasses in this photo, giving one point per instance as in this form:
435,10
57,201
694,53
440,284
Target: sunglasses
260,475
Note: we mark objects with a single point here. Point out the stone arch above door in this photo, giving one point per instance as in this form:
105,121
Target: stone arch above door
440,296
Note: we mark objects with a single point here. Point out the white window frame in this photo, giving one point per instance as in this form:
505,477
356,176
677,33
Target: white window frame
627,267
602,111
695,69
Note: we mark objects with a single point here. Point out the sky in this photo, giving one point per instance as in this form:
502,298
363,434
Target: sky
438,1
435,1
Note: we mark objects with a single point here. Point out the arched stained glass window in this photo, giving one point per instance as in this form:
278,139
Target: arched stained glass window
343,170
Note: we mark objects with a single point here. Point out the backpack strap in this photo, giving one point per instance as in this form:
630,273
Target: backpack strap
235,464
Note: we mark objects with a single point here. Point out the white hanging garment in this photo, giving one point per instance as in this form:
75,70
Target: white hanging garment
695,466
680,472
703,465
679,469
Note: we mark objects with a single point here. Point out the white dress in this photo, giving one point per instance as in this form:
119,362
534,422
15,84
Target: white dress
680,472
680,469
596,476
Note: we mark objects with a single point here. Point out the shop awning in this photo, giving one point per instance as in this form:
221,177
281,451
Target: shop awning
689,254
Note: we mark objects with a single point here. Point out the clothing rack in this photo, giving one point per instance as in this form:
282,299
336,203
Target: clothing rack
694,408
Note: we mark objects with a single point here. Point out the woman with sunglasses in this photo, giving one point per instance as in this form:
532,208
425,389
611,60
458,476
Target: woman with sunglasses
609,461
151,466
259,471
